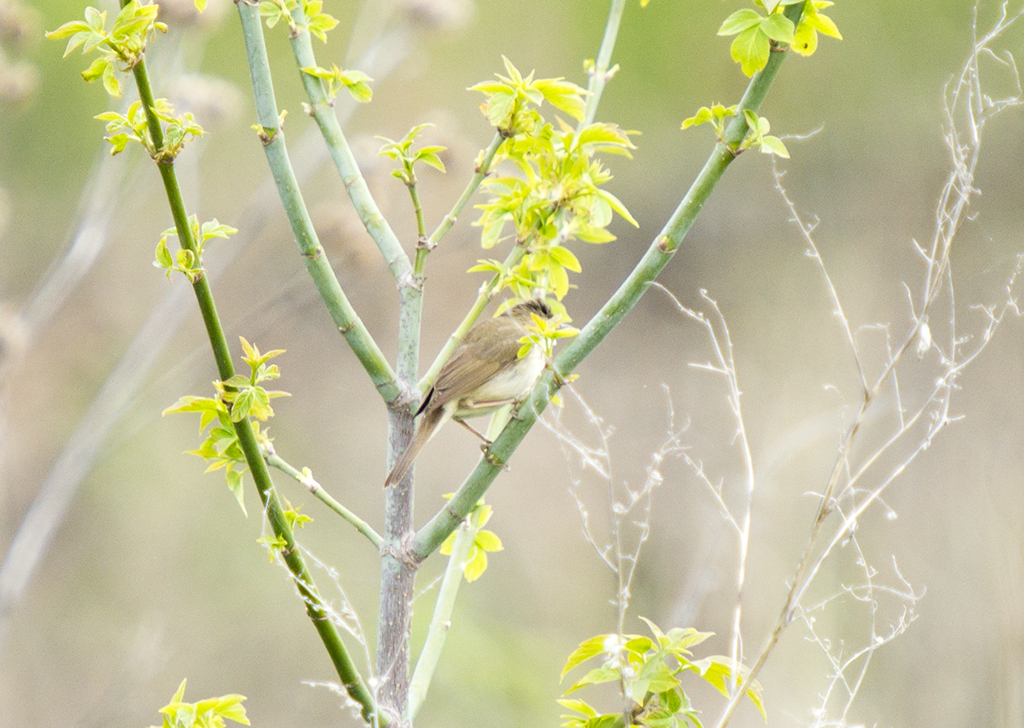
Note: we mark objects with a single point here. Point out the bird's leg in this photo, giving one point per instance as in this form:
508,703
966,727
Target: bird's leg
485,448
468,427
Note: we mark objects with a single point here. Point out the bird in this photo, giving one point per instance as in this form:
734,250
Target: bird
484,373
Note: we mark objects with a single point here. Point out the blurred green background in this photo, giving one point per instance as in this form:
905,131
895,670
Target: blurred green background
155,575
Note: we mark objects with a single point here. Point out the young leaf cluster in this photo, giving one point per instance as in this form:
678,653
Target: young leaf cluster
357,82
716,116
120,49
294,518
220,448
557,195
483,542
134,127
757,34
757,129
317,22
512,100
238,398
401,151
648,673
244,394
812,22
188,263
209,713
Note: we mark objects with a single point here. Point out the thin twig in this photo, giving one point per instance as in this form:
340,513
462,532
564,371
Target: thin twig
306,478
963,138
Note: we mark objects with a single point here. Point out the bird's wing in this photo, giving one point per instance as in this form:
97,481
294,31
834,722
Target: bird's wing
469,367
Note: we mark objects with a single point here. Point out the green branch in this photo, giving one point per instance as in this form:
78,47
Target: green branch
322,112
315,606
410,278
421,228
410,288
201,287
306,478
410,281
664,246
482,170
599,74
272,135
441,620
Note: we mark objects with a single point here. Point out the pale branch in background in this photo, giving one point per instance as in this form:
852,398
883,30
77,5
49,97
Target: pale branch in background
855,484
629,507
807,230
845,655
725,365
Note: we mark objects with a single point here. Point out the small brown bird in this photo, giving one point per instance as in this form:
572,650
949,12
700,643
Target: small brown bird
483,374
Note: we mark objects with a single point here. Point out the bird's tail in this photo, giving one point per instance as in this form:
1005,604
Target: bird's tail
428,424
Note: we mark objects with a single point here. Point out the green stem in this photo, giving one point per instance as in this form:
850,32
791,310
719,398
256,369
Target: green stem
664,246
410,286
482,170
204,296
276,461
599,75
338,305
421,228
315,606
423,245
322,112
441,621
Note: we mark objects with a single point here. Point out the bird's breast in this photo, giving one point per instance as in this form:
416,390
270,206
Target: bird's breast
511,384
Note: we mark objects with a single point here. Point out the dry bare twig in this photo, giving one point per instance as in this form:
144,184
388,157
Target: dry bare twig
858,482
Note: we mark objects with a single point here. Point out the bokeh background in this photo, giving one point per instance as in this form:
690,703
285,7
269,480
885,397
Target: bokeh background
154,574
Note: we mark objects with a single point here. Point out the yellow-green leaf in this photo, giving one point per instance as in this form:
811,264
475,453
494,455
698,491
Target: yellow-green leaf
778,27
718,670
805,40
617,205
751,50
823,24
774,145
587,649
499,107
488,541
740,21
565,257
476,565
